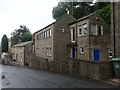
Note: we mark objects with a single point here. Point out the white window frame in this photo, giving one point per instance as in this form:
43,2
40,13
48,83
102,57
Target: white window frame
81,50
110,52
72,35
94,32
50,33
47,34
85,31
102,30
62,30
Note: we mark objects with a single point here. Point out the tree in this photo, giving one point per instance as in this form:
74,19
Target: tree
27,36
4,43
105,13
18,33
76,9
80,9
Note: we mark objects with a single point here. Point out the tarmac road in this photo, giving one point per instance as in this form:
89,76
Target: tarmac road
21,77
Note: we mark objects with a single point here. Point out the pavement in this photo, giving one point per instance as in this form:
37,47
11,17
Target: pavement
20,77
112,81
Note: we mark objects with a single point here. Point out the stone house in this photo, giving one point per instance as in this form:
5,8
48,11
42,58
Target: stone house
51,41
115,28
78,47
90,39
22,53
89,49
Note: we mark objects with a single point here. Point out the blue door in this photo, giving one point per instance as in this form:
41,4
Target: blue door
96,54
73,52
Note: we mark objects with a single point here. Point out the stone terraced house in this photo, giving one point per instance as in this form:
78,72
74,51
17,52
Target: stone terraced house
51,41
79,47
90,39
22,53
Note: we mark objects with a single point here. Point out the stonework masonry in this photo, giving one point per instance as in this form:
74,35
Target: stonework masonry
115,28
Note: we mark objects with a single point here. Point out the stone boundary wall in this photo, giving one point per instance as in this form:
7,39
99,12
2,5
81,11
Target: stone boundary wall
58,67
39,63
90,69
79,68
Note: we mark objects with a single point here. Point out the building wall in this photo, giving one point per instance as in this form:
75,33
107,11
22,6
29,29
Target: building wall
28,54
18,55
62,38
115,26
83,42
42,44
89,42
72,44
100,42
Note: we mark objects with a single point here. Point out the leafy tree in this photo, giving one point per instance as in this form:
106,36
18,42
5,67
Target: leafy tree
80,9
18,33
77,9
105,13
27,36
4,43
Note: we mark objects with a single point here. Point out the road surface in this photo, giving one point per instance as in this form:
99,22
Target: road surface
21,77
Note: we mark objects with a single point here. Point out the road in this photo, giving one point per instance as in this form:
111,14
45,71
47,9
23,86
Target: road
21,77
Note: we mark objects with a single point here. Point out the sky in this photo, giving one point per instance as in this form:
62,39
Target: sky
35,14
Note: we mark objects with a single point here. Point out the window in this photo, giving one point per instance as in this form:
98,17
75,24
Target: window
62,30
42,35
93,29
50,33
73,32
100,30
84,29
80,30
110,53
47,34
81,50
36,37
48,50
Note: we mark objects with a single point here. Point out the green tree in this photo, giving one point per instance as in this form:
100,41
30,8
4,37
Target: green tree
105,13
80,9
4,43
17,34
27,36
76,9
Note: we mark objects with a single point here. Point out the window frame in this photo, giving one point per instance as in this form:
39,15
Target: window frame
82,50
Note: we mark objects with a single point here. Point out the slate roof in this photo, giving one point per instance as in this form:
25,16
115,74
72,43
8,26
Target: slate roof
85,17
22,44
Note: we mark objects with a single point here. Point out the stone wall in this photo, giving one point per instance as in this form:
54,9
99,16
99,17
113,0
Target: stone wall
58,67
115,28
90,69
39,63
79,68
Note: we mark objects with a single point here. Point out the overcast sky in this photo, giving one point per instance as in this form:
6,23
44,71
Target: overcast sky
35,14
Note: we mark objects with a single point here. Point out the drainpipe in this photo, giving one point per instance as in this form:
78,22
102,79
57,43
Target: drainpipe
89,35
113,25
